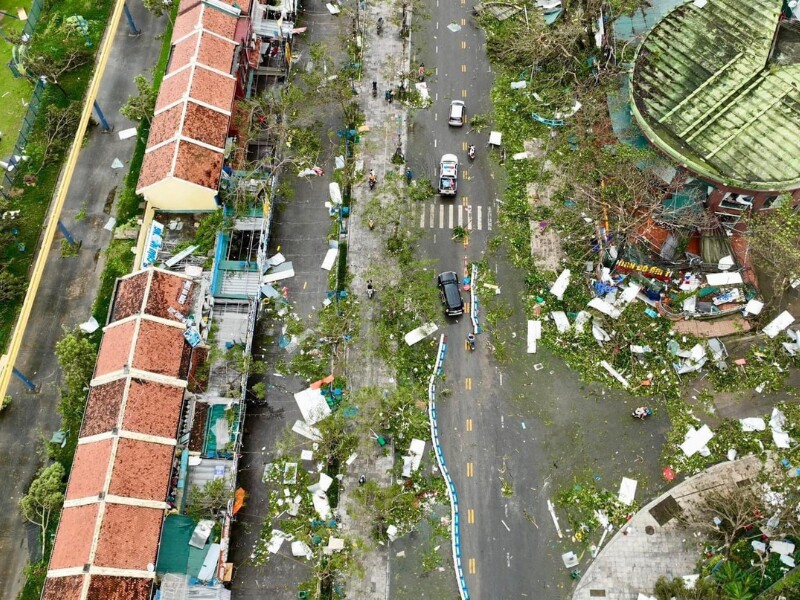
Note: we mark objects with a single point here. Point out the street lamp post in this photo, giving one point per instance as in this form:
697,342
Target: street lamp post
131,24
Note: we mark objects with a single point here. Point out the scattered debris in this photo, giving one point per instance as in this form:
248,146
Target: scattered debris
615,374
778,324
627,491
124,134
534,335
420,333
696,440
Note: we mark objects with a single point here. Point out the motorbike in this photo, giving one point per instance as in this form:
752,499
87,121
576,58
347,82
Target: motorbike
372,183
374,89
370,289
421,73
642,413
471,152
379,26
471,342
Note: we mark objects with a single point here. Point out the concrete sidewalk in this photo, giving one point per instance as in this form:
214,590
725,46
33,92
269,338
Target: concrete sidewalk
68,287
632,562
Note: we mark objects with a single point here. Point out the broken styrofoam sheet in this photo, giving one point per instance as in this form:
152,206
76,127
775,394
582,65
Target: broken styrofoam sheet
330,259
604,307
312,405
753,307
628,295
778,324
406,467
614,373
420,333
753,424
717,349
627,490
334,545
534,335
276,540
339,162
636,349
695,440
495,138
580,320
125,134
788,560
561,320
325,482
725,263
719,279
90,326
521,156
332,8
308,432
416,451
454,27
777,422
335,192
690,305
422,88
282,271
301,549
276,259
306,455
109,226
117,164
391,532
600,334
781,547
697,353
351,459
320,501
560,285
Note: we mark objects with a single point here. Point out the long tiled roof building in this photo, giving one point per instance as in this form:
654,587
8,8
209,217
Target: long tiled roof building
107,539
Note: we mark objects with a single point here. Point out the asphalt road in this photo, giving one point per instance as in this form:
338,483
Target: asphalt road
507,425
67,290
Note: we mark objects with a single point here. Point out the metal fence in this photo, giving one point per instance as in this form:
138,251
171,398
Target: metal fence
33,18
24,133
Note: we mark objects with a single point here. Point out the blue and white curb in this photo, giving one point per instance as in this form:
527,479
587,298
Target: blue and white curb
473,301
451,489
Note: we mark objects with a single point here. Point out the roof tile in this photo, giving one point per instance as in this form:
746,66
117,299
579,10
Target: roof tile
204,125
159,348
63,588
166,125
114,348
216,53
102,408
128,537
106,587
141,470
157,165
212,88
153,408
129,295
167,292
173,88
74,537
198,165
89,470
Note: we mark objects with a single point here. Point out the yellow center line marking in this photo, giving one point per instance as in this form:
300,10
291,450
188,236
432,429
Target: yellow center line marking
471,516
465,173
463,22
470,469
466,310
469,424
305,284
463,93
463,68
463,44
464,146
471,566
468,383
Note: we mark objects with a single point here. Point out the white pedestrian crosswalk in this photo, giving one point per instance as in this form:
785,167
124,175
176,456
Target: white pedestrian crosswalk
448,215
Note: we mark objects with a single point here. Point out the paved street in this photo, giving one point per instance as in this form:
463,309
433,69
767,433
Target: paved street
507,422
67,289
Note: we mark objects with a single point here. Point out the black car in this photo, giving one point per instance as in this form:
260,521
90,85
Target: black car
451,296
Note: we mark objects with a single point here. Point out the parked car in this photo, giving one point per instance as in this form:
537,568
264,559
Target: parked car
458,113
451,295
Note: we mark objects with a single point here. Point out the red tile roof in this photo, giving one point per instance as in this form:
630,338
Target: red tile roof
159,348
74,537
141,470
193,108
89,470
115,348
102,408
128,537
153,408
63,588
115,521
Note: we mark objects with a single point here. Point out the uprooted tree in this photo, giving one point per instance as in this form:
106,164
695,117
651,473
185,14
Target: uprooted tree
774,241
141,106
44,499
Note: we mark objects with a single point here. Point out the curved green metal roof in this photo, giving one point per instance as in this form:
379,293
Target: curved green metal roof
702,92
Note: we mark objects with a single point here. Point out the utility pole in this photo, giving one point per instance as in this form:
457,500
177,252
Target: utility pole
131,25
103,123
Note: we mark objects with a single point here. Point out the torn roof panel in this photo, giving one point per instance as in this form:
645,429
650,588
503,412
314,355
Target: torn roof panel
704,94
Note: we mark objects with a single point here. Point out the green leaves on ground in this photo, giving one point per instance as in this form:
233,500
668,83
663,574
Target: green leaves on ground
141,106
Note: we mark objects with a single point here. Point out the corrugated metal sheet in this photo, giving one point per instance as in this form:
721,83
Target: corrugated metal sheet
704,93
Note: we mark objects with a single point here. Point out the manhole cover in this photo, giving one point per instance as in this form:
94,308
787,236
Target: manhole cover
649,530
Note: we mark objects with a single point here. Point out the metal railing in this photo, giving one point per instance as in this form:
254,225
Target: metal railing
28,121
